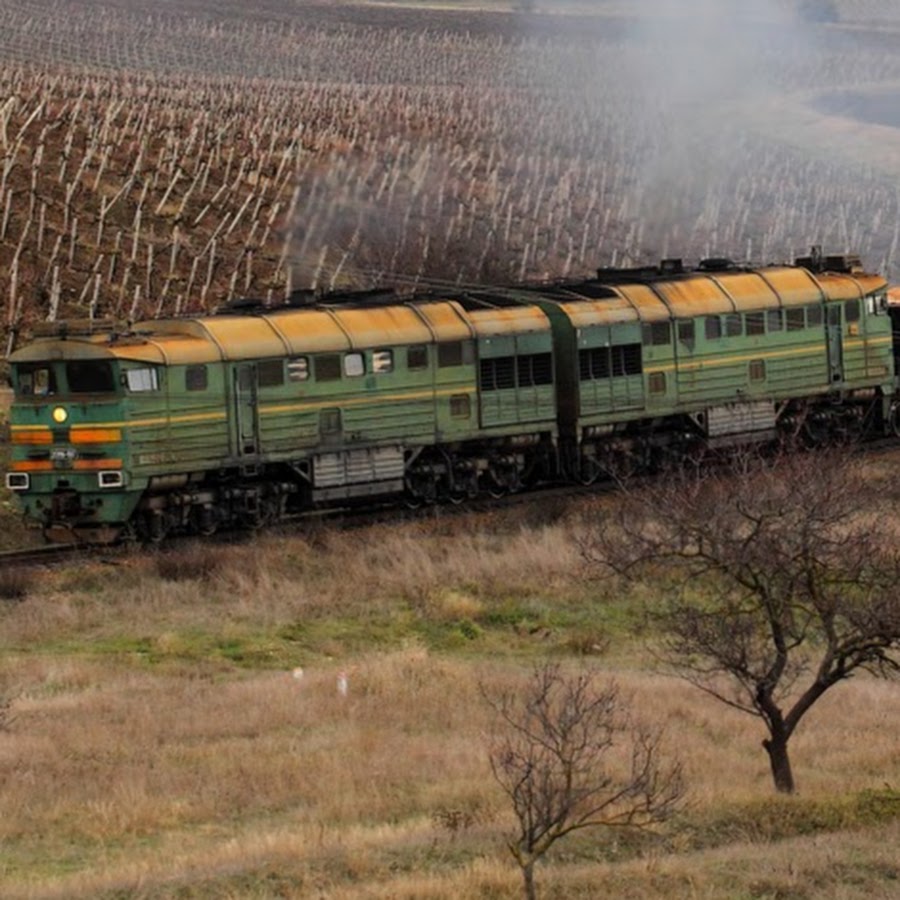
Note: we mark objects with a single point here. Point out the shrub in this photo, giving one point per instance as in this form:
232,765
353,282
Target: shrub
15,584
191,562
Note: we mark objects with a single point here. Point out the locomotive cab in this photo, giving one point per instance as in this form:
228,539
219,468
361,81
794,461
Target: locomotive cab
68,456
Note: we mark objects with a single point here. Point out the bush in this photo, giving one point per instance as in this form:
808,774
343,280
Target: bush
15,584
191,562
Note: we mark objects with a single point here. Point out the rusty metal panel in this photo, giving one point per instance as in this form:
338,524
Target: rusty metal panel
234,337
383,325
512,320
173,350
244,337
309,331
850,287
447,320
648,304
749,290
588,313
697,296
795,287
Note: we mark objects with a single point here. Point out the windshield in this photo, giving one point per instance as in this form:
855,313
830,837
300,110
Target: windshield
90,377
74,377
35,380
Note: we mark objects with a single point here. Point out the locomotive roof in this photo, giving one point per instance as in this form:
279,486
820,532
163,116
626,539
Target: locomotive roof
365,320
639,296
324,328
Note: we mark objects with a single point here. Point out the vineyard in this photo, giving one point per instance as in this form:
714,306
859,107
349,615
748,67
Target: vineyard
168,159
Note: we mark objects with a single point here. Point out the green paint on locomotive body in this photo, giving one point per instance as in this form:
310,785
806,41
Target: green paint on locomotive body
339,400
650,366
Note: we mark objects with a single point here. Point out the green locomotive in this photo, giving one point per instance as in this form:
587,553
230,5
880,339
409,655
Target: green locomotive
191,424
187,425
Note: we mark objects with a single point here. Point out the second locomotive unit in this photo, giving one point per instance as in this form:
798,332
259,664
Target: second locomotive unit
186,425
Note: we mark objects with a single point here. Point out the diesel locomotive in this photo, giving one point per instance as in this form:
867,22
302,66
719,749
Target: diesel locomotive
187,425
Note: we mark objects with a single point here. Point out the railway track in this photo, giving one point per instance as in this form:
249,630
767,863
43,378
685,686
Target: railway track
363,516
36,556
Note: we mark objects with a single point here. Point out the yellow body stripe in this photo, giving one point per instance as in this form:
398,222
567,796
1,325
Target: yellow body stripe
745,357
360,401
167,420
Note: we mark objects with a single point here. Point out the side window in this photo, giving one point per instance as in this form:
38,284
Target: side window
774,320
354,365
851,311
626,360
270,373
298,368
535,369
834,315
610,362
755,323
734,326
813,315
713,328
656,334
328,368
686,332
795,319
498,374
417,357
195,378
594,363
138,380
382,361
450,354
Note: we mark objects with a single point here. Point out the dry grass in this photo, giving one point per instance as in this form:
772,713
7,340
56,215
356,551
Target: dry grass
165,745
133,780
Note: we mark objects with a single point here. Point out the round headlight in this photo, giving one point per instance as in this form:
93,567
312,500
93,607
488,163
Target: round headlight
60,415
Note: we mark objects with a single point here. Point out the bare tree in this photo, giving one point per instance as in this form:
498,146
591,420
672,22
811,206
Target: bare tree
553,756
781,580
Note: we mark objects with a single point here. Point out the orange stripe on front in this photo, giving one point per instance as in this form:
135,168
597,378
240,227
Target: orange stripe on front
94,465
29,465
95,435
32,436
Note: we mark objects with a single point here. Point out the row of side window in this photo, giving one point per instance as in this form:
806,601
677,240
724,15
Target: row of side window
751,324
609,362
505,372
335,366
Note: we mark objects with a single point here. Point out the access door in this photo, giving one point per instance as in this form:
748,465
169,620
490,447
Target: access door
246,410
834,338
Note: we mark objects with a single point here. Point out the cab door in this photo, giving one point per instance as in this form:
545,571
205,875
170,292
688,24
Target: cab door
834,339
246,409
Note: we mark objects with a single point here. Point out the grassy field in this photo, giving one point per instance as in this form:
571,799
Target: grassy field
161,742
